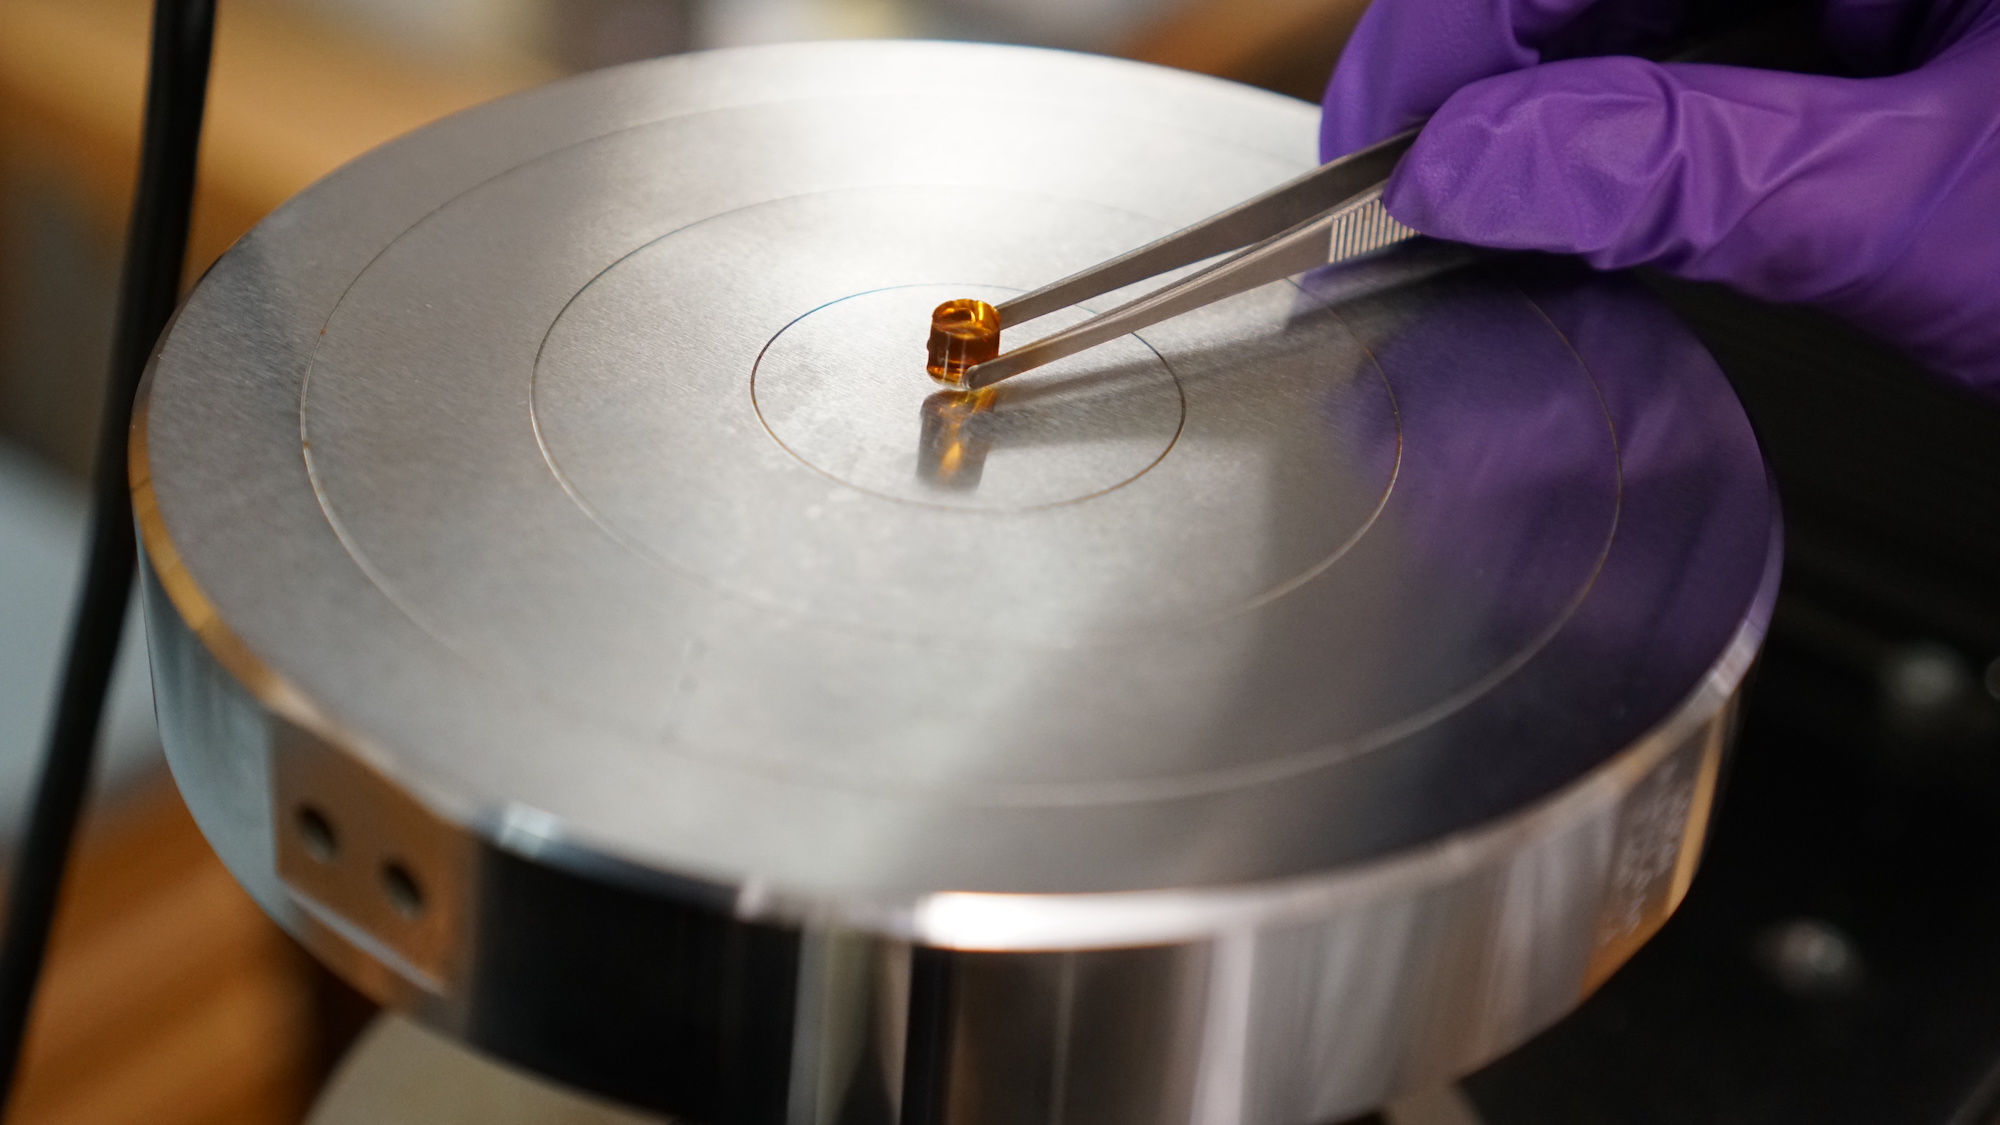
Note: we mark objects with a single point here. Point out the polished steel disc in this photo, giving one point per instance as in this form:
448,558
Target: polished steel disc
577,615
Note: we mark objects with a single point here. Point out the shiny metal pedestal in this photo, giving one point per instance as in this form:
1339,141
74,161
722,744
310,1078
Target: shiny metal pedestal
557,625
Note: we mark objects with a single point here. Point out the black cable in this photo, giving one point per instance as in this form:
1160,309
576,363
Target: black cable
155,253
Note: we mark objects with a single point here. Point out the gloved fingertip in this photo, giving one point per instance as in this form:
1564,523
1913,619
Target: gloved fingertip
1560,158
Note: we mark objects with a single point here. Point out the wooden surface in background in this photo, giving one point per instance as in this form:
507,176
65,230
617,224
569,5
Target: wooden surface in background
169,998
1285,45
290,99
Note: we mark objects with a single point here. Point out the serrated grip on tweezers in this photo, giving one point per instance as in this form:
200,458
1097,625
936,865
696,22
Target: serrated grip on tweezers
1364,227
1357,227
1278,209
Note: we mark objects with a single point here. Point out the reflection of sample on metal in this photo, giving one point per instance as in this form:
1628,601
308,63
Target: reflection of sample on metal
963,333
957,434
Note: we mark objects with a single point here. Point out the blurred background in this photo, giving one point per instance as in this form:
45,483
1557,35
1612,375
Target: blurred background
1838,959
170,999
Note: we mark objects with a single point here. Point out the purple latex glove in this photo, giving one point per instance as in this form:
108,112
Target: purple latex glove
1875,198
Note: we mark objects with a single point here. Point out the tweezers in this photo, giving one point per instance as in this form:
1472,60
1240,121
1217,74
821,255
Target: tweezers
1331,214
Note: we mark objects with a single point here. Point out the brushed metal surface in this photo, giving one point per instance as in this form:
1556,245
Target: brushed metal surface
1317,693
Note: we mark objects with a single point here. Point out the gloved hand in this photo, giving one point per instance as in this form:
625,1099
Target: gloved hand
1876,198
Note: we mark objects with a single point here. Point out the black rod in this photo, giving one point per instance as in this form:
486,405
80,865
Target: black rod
155,254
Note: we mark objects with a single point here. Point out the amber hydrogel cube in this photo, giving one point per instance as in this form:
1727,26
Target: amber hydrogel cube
963,333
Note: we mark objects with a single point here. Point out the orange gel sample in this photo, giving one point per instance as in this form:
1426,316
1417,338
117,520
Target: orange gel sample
963,333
